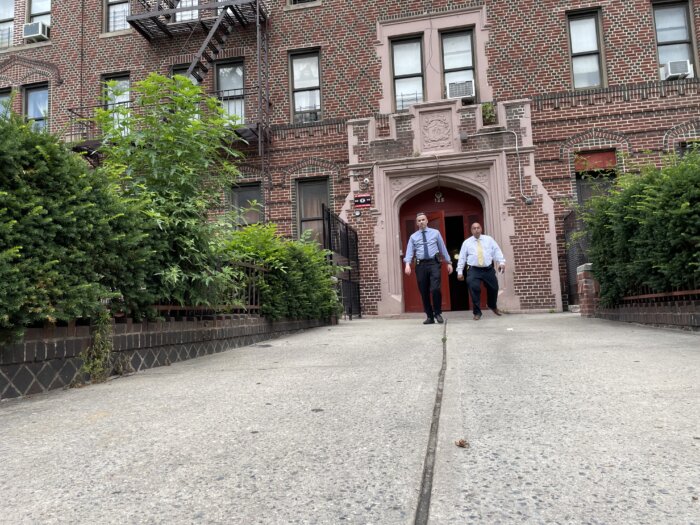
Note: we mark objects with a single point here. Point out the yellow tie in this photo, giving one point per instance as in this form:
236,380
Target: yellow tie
479,253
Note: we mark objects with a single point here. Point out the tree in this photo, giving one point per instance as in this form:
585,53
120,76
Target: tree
173,147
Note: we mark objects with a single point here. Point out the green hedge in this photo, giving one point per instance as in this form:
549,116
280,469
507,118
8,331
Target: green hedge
645,234
300,283
67,238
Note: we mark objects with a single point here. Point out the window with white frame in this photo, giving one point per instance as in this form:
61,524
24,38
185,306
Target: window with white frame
458,64
36,105
118,99
7,22
183,16
673,33
584,39
40,11
313,196
407,60
116,12
5,98
229,86
247,198
306,87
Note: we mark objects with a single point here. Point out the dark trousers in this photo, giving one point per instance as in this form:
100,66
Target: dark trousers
428,276
476,276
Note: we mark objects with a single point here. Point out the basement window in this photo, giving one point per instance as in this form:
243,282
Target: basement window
595,173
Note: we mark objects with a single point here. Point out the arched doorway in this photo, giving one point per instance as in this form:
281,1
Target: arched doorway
452,212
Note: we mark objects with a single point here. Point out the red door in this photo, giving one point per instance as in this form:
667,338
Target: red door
412,298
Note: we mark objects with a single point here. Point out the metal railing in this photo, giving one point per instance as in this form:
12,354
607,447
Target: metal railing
245,298
576,252
342,240
82,126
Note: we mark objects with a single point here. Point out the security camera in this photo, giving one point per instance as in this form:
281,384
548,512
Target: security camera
366,180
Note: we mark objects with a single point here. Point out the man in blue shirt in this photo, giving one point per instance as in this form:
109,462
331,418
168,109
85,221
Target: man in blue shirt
425,244
479,253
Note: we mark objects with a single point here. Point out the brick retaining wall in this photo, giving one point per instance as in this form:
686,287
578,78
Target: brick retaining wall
48,358
677,310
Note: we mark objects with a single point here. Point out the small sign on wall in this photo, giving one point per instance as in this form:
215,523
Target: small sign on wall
363,200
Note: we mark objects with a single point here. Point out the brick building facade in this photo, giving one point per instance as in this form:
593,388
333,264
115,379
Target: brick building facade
470,110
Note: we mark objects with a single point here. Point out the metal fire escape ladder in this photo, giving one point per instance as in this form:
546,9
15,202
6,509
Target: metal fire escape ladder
213,43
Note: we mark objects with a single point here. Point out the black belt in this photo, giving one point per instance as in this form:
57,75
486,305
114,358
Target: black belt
424,261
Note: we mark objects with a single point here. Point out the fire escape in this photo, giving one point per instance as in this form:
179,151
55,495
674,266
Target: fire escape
165,20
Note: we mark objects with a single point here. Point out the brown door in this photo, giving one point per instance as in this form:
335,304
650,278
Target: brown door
412,299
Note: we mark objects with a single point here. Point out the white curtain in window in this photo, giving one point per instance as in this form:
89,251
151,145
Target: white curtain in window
407,58
457,50
584,37
306,72
671,24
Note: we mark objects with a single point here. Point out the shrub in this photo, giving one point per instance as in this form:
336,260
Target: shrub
300,283
63,231
171,146
646,232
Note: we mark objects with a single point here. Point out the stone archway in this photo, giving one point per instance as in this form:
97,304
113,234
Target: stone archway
397,183
455,211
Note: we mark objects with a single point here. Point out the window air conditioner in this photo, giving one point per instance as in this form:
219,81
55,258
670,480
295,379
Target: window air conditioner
463,89
35,31
677,69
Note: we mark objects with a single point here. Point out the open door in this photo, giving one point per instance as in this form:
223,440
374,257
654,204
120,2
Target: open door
412,299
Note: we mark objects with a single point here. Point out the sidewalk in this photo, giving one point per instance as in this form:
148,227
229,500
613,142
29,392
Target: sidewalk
568,420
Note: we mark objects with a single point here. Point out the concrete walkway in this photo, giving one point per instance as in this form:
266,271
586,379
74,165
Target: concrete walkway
567,420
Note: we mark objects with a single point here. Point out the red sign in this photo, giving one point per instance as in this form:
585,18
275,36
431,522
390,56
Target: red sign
363,200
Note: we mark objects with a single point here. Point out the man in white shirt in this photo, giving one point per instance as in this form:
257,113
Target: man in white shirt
479,253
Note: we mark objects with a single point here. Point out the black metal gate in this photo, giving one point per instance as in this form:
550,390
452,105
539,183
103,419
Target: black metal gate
576,252
341,240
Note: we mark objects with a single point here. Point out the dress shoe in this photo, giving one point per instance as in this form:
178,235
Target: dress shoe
439,318
429,320
477,317
495,310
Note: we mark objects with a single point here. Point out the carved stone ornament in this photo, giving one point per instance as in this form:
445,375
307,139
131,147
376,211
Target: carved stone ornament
436,131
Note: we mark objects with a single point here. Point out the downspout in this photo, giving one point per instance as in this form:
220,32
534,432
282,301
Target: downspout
526,199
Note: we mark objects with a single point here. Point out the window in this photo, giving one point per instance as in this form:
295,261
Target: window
5,98
295,2
7,22
595,172
40,11
117,97
183,16
407,58
306,87
457,59
685,147
672,32
182,70
248,197
585,50
229,84
36,105
116,11
313,195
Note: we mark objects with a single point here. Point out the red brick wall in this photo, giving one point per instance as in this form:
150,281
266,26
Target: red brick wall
527,56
